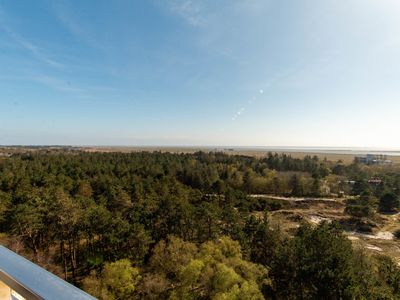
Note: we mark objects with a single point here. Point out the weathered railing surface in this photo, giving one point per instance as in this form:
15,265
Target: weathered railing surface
33,282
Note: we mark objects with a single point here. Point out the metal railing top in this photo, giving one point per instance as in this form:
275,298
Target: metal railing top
33,282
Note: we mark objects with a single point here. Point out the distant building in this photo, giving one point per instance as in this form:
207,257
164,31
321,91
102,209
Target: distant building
373,159
375,181
351,182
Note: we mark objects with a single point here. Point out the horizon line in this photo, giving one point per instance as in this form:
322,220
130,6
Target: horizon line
344,148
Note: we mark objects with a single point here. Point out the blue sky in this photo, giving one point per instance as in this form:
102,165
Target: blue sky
210,72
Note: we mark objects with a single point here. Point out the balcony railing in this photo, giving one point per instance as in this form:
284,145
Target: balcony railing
21,279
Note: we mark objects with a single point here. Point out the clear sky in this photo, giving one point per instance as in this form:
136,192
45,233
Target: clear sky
206,72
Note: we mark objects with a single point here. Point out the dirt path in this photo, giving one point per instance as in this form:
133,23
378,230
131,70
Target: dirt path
295,199
383,235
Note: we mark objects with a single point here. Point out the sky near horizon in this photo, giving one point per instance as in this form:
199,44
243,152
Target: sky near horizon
211,72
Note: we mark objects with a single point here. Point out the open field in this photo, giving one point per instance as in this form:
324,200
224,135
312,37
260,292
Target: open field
347,156
256,152
380,239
